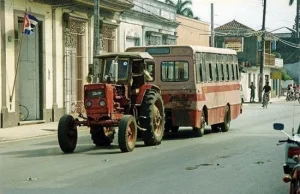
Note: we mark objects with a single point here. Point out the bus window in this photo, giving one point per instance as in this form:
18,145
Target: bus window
150,67
174,71
233,74
217,72
237,71
203,69
210,73
199,72
227,72
222,72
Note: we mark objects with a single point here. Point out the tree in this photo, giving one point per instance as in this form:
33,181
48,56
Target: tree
285,76
297,15
277,55
182,7
291,2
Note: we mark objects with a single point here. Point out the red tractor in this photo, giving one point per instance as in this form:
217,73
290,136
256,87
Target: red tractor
120,98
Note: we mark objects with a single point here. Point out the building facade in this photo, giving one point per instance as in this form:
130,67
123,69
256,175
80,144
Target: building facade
192,32
46,71
247,43
149,22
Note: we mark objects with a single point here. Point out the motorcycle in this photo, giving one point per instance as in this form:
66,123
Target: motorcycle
292,159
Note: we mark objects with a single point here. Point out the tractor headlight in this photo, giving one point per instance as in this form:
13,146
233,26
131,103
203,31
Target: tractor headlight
102,103
88,103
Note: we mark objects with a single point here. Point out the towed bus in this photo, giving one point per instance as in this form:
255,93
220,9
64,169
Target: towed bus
200,85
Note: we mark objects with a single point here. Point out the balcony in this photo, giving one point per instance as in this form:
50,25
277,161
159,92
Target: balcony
111,5
269,59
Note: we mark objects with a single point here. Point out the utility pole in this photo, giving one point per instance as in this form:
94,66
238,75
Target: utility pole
297,18
262,56
96,28
212,36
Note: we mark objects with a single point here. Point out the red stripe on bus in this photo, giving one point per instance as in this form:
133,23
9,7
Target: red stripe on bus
182,96
221,88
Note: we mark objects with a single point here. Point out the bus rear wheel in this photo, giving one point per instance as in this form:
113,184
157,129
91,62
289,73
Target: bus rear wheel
199,131
226,124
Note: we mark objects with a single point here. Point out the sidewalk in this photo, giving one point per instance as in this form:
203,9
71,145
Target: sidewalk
29,131
272,100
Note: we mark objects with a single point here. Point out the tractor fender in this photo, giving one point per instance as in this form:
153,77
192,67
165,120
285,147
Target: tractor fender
143,90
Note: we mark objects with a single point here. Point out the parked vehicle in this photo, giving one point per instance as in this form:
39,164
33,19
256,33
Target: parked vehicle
121,99
200,85
292,159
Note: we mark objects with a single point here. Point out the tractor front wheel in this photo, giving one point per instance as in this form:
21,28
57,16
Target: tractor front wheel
127,133
67,134
152,112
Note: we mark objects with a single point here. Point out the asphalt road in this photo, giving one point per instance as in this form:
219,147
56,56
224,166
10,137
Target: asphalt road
244,160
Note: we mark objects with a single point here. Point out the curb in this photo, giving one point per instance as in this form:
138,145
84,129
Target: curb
34,137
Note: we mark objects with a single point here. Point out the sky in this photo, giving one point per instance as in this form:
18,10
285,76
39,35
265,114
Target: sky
248,12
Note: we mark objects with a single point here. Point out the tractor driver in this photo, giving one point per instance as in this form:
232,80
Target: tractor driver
139,71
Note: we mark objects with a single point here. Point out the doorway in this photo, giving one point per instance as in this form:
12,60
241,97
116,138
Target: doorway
30,72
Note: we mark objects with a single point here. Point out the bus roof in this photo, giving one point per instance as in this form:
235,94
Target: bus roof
196,49
140,55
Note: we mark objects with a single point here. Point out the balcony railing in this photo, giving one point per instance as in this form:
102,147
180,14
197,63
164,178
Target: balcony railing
269,59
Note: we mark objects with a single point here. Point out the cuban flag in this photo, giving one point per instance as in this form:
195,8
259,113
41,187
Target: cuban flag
29,24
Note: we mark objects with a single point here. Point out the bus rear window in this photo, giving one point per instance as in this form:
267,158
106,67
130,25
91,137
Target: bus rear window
158,51
174,71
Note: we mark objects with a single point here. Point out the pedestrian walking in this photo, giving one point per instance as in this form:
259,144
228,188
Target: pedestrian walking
252,94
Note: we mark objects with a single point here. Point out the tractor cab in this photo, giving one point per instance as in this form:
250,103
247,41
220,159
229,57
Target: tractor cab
125,70
118,78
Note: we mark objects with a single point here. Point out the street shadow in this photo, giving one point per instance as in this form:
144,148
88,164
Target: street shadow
52,151
116,149
183,134
81,139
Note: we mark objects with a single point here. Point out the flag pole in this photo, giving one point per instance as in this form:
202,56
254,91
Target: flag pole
18,59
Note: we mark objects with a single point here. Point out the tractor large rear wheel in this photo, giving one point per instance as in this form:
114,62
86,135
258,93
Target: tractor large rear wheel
153,118
102,136
67,134
127,133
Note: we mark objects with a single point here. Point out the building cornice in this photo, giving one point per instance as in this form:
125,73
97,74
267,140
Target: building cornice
114,5
150,17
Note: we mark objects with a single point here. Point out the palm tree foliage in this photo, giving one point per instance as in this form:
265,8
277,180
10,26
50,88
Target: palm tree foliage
291,2
182,7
